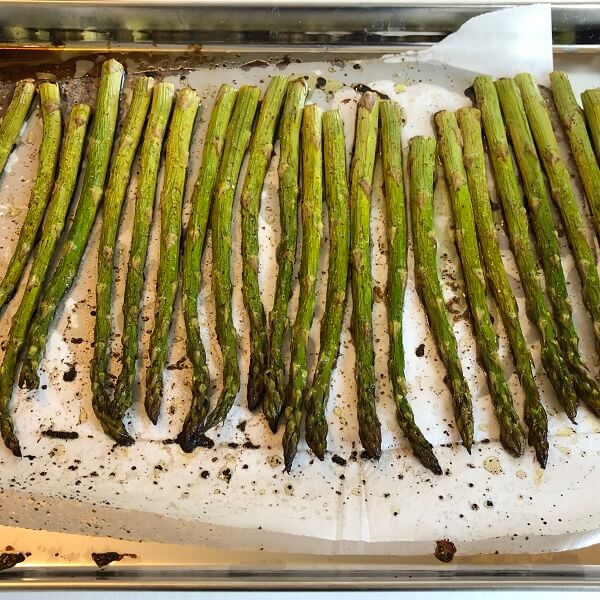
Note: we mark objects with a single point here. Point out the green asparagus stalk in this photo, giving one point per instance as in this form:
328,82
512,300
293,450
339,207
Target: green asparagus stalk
13,118
511,433
98,156
171,203
51,134
190,435
591,108
237,140
536,419
118,180
391,119
312,228
564,197
261,149
361,181
516,218
286,251
162,102
338,208
546,237
421,173
573,121
57,211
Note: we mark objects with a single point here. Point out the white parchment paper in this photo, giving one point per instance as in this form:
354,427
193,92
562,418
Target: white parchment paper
236,494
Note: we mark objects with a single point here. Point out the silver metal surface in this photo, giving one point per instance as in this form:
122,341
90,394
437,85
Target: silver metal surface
321,28
45,23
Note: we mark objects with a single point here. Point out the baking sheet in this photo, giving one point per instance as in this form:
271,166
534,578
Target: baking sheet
238,497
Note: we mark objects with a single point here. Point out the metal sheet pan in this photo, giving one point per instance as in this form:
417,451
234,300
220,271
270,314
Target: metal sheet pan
193,33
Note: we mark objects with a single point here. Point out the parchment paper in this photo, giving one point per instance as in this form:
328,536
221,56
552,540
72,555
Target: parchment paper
236,494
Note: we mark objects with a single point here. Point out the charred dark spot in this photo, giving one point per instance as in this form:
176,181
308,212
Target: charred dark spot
361,88
445,550
420,350
470,94
60,435
321,82
10,559
205,474
226,475
338,460
70,374
75,340
250,446
242,425
105,558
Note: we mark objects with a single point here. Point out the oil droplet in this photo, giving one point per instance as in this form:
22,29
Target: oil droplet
356,491
288,490
539,474
337,411
399,88
565,431
566,451
521,474
83,416
492,465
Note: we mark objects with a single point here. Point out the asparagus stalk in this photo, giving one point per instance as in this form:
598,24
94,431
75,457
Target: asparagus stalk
391,119
361,181
312,228
51,134
171,203
118,180
260,153
546,237
591,109
511,433
51,230
98,156
13,118
162,102
564,197
189,437
572,119
516,218
421,173
337,198
536,419
237,140
286,251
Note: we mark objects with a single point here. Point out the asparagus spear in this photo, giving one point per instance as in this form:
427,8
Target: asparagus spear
591,109
572,119
562,192
286,251
361,181
192,259
51,230
260,152
391,118
237,140
98,156
546,237
337,197
536,419
13,118
511,433
171,203
312,228
51,134
113,202
516,218
421,173
162,102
